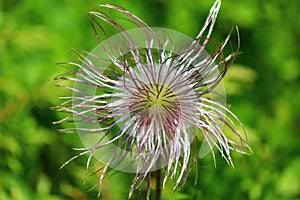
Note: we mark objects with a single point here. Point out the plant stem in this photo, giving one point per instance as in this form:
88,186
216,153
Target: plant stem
158,184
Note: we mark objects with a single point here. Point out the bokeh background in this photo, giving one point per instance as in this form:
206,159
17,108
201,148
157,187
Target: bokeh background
262,88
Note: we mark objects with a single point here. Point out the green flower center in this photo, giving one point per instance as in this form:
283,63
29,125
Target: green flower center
161,97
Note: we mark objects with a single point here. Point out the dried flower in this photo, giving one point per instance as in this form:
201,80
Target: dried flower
142,99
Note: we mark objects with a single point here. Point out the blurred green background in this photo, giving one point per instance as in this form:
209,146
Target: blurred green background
262,88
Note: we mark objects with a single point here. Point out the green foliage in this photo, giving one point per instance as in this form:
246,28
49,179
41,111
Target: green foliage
263,90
